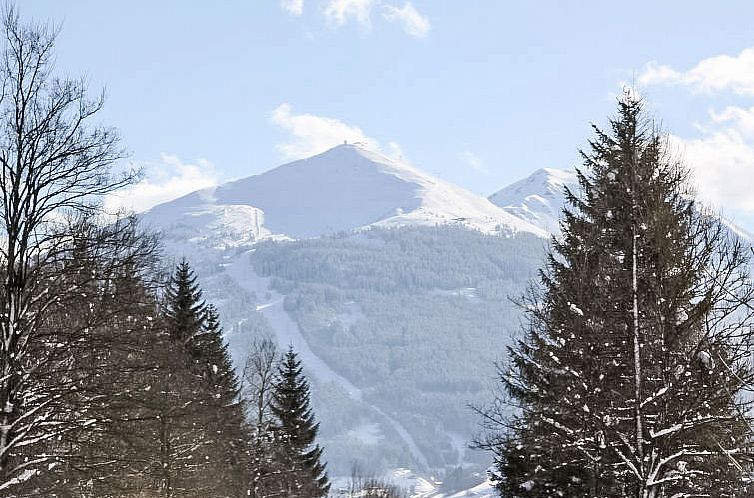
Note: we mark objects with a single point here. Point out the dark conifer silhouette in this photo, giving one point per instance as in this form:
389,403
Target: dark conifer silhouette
303,473
629,378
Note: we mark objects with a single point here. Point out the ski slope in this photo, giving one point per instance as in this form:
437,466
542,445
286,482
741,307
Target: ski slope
289,334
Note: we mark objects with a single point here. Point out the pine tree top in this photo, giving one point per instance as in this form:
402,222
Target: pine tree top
185,307
291,403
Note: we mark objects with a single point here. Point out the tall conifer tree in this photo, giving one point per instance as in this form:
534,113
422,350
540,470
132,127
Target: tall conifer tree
202,431
229,434
185,310
303,474
629,377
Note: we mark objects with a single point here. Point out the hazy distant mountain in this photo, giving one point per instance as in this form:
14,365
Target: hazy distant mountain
538,198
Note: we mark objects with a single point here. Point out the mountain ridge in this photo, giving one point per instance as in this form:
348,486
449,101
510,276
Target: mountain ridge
537,198
342,189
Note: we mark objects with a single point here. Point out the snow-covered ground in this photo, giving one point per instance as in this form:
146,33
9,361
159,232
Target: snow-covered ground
270,303
421,486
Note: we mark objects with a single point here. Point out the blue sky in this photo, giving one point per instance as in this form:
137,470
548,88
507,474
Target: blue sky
479,92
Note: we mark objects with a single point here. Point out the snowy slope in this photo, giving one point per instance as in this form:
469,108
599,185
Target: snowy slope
420,486
345,188
538,198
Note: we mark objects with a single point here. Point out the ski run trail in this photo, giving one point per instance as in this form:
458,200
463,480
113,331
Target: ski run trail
288,333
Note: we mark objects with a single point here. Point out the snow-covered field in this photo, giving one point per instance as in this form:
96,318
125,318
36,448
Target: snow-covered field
419,486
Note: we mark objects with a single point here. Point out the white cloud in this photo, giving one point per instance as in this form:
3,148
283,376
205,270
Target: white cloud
722,156
722,159
311,134
657,74
474,162
714,74
341,12
409,18
739,118
164,181
338,12
293,7
723,165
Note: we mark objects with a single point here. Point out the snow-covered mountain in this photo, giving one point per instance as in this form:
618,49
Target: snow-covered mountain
357,307
538,198
345,188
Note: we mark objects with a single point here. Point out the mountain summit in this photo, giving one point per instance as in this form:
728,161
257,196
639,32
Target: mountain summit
345,188
538,198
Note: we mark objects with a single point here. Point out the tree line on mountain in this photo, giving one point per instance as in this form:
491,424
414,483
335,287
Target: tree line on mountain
399,260
415,316
632,376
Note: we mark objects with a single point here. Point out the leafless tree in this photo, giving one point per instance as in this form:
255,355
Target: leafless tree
370,487
54,165
259,376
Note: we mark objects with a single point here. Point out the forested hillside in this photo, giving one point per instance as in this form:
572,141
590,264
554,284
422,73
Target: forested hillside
415,317
348,325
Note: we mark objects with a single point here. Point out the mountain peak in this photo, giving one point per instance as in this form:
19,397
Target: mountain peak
347,187
538,198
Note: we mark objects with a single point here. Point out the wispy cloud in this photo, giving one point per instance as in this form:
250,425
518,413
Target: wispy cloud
293,7
714,74
739,118
412,22
474,161
311,134
722,163
165,180
339,12
721,156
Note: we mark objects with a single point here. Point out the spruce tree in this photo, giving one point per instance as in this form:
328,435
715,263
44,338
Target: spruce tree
185,310
302,474
203,434
229,434
629,377
180,464
214,363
